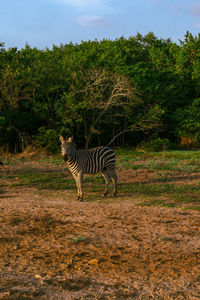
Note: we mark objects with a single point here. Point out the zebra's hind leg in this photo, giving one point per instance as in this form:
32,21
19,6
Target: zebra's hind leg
114,180
107,179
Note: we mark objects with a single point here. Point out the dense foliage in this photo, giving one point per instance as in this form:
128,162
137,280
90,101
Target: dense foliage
144,87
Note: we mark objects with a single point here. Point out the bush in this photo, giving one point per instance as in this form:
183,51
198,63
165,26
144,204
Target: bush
48,138
188,124
157,145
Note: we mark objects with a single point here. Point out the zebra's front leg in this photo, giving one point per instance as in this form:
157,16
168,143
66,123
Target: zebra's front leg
79,183
107,180
80,186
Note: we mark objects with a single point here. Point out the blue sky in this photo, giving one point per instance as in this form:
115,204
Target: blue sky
42,23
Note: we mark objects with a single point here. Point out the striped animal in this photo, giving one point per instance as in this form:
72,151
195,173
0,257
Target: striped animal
92,161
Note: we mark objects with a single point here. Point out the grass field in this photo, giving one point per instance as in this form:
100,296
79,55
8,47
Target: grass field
144,244
164,179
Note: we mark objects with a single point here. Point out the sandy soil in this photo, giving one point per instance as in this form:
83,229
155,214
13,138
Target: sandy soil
54,247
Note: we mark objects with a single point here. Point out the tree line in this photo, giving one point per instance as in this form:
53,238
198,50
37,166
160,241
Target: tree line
141,90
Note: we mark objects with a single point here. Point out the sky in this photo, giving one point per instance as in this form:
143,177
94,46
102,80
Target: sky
43,23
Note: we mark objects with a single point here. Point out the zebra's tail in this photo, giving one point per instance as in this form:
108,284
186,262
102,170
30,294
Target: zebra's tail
126,130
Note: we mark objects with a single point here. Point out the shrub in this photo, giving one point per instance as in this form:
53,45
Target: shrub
157,145
48,138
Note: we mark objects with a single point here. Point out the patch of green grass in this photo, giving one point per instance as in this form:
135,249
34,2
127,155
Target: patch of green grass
129,152
167,239
94,179
172,164
15,160
52,160
172,195
181,154
194,208
181,161
160,189
185,198
77,239
44,180
157,202
9,176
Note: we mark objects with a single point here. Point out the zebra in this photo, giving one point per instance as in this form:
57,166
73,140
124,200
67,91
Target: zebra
92,161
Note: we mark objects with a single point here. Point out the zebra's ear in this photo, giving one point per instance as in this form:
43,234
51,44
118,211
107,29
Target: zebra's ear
70,139
61,139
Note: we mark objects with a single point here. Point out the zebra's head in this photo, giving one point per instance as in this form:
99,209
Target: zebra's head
66,147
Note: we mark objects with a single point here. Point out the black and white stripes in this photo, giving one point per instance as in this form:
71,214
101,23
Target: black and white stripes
92,161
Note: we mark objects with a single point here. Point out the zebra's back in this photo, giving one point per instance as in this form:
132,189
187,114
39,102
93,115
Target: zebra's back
94,160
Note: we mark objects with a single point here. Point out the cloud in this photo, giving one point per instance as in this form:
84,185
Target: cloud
80,3
88,21
177,8
196,10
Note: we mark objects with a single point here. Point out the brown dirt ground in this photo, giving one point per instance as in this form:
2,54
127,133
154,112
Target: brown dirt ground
54,247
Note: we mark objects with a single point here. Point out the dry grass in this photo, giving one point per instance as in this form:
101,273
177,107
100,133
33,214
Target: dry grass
54,247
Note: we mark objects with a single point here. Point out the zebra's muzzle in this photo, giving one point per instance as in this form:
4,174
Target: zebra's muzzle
65,157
